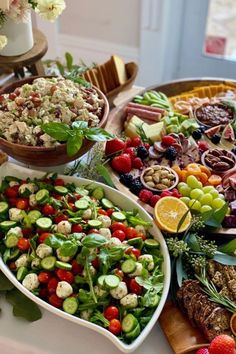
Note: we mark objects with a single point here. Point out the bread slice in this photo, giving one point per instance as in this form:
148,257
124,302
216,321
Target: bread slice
101,79
120,71
93,74
110,84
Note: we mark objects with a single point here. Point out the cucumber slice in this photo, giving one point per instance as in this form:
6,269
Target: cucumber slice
34,215
82,204
70,305
118,216
3,207
21,273
11,241
137,242
81,191
128,266
95,223
48,263
111,281
61,190
63,265
7,225
107,204
134,333
41,196
128,323
14,253
151,243
44,223
98,193
101,282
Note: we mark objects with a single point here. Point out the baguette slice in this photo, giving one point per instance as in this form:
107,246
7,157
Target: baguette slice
93,74
101,79
107,77
119,70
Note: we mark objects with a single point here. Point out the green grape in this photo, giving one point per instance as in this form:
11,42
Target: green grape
194,204
205,208
185,190
207,189
193,182
221,196
214,193
180,185
228,211
217,203
196,193
206,199
186,200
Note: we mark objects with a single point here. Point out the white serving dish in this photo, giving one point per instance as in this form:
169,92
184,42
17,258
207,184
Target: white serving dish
122,201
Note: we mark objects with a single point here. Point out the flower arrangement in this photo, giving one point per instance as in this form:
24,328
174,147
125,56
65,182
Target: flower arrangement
18,11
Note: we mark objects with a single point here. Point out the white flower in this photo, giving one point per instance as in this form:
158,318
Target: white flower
50,9
19,10
3,42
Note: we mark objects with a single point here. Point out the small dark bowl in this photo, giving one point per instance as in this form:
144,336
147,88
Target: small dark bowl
46,156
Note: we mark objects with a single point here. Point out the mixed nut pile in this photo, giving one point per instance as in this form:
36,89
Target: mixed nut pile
159,177
219,159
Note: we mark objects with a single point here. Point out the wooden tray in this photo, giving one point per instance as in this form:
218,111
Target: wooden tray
181,335
117,118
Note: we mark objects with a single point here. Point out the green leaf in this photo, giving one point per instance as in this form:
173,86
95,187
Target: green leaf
60,67
149,299
68,249
58,131
193,242
93,241
224,259
104,173
134,221
54,241
99,319
180,272
5,284
80,124
74,144
182,220
98,134
215,219
69,61
22,306
229,247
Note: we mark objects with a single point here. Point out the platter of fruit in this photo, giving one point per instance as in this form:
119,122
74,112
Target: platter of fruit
178,140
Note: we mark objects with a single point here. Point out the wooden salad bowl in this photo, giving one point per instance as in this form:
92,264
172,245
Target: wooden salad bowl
46,156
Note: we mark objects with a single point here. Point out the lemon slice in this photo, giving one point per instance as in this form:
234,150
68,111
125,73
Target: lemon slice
233,324
169,212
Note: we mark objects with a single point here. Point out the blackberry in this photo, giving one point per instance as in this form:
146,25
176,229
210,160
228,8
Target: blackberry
142,152
203,128
170,153
136,186
197,134
126,179
215,139
233,151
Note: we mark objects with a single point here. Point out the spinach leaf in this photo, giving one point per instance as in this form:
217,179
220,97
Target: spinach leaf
93,241
57,131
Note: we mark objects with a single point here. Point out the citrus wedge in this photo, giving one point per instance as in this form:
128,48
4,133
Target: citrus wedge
169,214
233,324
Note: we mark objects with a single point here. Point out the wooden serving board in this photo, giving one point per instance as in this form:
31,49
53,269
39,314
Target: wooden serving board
115,124
181,335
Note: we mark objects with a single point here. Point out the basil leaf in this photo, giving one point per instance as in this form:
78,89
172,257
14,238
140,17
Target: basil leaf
54,241
104,173
98,134
74,144
134,221
58,131
224,259
68,249
5,284
69,61
80,124
93,241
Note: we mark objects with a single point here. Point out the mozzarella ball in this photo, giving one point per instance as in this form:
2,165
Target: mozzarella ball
62,258
28,186
43,250
129,301
35,263
99,292
87,214
114,242
16,214
147,261
22,261
13,183
105,220
120,291
141,229
16,231
64,227
138,270
104,231
92,271
64,289
85,315
31,281
32,200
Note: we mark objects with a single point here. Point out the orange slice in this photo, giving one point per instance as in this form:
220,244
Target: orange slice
233,324
169,212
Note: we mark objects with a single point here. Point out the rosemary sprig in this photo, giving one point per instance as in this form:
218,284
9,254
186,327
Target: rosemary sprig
214,295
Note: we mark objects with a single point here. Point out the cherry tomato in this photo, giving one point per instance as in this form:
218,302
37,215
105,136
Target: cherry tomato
119,234
48,210
27,232
43,237
141,234
12,96
65,275
95,263
93,231
52,285
72,206
55,301
23,244
118,226
12,201
12,265
77,196
59,182
115,326
12,192
135,287
60,218
76,267
102,212
111,312
57,196
131,232
43,293
119,273
136,252
76,228
110,211
44,277
22,204
2,98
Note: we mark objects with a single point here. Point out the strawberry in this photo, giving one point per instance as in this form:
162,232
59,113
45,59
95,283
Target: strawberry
202,351
222,344
137,163
131,151
168,140
136,141
114,145
122,163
